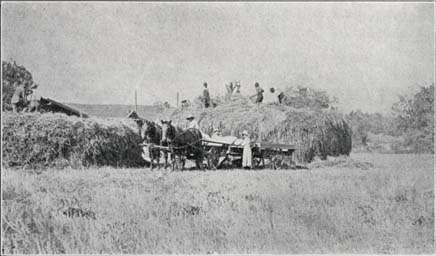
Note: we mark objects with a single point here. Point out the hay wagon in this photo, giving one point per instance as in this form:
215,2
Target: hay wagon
223,153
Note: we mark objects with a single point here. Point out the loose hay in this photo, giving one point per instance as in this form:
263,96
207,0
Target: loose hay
57,140
341,162
313,132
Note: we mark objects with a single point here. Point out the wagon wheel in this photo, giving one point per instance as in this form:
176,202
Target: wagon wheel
177,163
213,156
257,162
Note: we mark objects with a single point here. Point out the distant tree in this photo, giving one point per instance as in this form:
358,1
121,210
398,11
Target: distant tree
415,118
185,104
416,112
166,104
365,123
306,97
162,105
360,127
13,75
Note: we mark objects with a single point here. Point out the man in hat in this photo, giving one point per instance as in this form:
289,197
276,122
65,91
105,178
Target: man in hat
246,153
192,122
206,96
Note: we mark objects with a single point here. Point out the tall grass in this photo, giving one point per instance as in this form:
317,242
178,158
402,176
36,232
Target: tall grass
387,209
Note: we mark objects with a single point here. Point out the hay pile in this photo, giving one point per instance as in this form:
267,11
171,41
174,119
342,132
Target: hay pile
57,140
313,132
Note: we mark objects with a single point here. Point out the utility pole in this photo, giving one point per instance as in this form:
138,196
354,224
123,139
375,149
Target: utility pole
177,99
136,102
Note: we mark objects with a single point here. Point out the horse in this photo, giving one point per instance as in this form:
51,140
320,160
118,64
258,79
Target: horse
185,142
139,121
151,132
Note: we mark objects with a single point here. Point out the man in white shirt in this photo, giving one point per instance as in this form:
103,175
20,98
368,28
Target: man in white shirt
275,96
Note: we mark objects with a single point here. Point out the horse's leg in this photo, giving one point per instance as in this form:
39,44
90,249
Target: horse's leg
158,159
150,154
199,160
166,159
183,156
173,160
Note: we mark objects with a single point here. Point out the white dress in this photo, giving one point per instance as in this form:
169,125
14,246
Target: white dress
246,155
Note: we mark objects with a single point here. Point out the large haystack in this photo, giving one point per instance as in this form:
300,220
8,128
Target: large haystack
313,132
57,140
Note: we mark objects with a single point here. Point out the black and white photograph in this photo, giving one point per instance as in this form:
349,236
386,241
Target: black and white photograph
217,128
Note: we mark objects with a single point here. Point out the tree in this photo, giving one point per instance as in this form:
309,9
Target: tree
13,75
305,97
415,118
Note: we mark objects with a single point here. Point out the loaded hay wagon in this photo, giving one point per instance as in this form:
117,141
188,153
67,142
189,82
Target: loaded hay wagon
264,154
224,153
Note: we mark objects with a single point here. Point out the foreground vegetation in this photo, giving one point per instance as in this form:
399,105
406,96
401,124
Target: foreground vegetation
385,209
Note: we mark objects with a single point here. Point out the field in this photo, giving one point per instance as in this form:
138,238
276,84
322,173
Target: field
385,209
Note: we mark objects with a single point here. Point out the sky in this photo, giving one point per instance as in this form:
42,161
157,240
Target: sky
365,54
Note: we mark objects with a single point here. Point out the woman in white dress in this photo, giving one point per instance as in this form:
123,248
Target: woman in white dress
246,155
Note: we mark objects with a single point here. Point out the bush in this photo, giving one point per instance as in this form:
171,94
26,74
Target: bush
415,118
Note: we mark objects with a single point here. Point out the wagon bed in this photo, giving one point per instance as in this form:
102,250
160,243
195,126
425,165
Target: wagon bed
265,154
226,151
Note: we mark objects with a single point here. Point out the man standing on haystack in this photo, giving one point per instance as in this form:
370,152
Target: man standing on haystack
19,98
35,99
206,96
277,94
259,93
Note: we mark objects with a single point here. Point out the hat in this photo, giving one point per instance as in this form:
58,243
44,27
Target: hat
190,116
245,132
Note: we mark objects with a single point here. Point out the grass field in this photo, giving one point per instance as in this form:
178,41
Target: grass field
386,209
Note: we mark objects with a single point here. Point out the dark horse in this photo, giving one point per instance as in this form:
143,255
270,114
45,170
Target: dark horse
186,143
150,133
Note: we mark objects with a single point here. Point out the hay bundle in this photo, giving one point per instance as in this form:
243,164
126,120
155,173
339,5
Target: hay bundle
313,132
57,140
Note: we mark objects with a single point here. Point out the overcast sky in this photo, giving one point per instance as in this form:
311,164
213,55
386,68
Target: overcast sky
363,53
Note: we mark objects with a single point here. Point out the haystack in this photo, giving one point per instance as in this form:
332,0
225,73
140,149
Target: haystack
57,140
313,132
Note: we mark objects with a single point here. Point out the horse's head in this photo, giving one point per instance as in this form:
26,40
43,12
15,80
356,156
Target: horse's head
168,132
133,115
150,132
145,131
